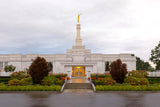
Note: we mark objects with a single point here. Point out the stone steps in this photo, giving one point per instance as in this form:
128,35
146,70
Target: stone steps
78,86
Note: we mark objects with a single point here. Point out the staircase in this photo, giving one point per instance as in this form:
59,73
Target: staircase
78,86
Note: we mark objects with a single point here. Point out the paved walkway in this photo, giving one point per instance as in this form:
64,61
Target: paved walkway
78,91
106,99
78,80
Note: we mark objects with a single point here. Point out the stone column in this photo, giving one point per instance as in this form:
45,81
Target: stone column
78,38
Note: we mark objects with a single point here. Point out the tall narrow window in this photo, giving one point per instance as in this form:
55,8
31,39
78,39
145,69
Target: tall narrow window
1,66
5,64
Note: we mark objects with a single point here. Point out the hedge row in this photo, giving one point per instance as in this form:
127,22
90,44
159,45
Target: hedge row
99,75
127,88
30,88
153,80
58,75
5,79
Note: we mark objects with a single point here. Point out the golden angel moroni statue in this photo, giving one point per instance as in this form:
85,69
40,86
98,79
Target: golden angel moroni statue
78,17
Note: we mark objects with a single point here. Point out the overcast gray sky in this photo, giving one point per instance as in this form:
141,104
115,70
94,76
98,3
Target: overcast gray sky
108,26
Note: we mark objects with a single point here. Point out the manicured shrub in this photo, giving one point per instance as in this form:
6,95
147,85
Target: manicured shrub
107,74
153,80
131,80
94,78
143,81
138,74
124,84
100,75
5,79
118,71
108,81
127,88
98,82
26,81
14,82
31,88
19,75
9,68
2,84
58,75
136,81
38,70
49,80
59,82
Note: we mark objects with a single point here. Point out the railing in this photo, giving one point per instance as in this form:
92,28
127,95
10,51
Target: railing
63,86
93,86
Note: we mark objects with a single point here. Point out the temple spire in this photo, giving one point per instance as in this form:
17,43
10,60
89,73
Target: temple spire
78,38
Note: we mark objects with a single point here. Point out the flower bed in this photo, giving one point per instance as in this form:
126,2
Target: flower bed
94,78
31,88
63,78
127,88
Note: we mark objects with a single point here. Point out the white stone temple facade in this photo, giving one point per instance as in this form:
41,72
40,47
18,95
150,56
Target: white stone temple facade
76,62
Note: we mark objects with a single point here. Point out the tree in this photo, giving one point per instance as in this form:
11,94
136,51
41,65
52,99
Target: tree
118,71
9,68
155,56
107,66
142,65
38,70
50,66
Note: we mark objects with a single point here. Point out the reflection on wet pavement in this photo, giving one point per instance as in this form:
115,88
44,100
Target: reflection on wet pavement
107,99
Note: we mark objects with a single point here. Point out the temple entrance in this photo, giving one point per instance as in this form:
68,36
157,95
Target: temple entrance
78,71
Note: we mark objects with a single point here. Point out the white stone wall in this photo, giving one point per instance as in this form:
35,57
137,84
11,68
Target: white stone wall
97,61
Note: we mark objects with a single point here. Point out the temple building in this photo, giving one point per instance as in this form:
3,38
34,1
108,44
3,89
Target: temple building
77,62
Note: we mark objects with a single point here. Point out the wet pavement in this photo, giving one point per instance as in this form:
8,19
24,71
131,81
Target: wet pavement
106,99
78,91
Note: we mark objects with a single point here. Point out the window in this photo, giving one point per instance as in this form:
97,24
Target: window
1,66
5,64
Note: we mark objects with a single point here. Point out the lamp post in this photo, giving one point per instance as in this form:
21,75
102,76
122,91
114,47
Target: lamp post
69,74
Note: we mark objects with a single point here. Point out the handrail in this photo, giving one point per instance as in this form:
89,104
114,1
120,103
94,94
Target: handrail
93,86
65,81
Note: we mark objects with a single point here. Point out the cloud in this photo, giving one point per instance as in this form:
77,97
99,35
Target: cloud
108,26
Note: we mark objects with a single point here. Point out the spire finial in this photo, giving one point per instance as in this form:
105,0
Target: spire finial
79,16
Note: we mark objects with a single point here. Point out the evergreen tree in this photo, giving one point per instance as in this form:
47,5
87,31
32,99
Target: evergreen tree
142,65
155,56
50,66
107,66
9,68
